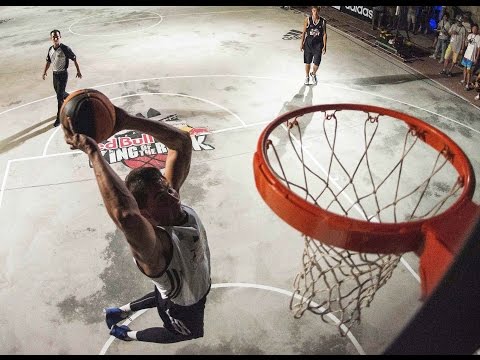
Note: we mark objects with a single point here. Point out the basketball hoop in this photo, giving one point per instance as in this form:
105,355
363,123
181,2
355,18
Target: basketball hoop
362,198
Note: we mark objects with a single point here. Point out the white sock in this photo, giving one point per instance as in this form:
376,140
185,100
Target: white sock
125,308
132,334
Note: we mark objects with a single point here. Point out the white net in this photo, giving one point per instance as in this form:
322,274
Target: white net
363,166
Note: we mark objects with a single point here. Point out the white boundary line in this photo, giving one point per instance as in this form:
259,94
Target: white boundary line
266,78
332,317
124,33
156,17
49,140
187,96
170,94
44,153
4,182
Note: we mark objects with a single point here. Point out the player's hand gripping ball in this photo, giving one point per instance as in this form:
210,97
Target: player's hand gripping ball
91,113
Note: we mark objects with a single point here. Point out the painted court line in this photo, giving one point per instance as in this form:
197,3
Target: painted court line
5,175
123,33
264,78
186,96
332,317
161,17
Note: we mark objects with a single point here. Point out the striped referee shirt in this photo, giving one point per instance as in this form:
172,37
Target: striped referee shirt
59,57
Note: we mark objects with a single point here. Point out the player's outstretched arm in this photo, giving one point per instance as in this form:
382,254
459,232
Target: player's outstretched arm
122,206
178,142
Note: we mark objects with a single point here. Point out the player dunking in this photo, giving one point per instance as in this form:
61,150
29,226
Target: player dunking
167,239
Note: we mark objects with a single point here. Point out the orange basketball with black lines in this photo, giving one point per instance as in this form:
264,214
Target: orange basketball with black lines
91,112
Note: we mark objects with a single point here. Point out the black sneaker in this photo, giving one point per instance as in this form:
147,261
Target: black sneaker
443,72
56,123
450,74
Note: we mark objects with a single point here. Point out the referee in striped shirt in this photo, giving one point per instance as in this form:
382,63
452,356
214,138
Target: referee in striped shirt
58,55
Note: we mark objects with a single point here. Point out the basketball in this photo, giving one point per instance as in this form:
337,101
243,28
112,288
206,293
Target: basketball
91,112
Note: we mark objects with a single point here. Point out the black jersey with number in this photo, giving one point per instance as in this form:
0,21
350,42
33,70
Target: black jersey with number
315,31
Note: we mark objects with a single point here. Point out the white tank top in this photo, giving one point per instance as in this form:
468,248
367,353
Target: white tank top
187,277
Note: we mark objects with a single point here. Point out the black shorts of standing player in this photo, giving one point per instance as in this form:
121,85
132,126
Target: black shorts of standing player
312,55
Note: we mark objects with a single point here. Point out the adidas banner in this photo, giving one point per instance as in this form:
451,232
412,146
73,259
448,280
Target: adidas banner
361,12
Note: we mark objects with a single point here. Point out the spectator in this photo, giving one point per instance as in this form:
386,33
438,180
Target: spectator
390,17
377,17
423,18
401,17
458,35
470,58
412,18
467,23
439,14
442,42
477,87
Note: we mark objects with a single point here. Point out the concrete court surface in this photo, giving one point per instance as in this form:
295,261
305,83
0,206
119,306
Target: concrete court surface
225,72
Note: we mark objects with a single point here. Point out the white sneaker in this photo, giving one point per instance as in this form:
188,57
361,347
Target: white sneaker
314,78
477,97
307,81
432,56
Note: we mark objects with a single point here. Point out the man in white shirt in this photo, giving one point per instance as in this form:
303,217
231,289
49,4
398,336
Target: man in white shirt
477,87
471,55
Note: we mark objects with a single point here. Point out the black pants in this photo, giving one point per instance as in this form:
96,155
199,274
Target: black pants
180,322
59,84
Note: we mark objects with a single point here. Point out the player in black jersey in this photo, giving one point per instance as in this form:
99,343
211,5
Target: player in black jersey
313,43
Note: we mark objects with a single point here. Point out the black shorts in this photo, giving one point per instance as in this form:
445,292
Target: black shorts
184,321
314,55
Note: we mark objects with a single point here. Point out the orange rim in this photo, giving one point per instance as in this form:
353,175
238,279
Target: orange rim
342,231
